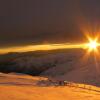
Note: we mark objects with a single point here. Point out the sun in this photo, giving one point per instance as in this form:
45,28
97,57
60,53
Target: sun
92,45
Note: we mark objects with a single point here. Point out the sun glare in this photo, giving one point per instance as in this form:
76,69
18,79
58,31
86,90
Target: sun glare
92,45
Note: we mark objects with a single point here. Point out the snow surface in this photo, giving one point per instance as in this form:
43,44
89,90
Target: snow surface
83,72
24,87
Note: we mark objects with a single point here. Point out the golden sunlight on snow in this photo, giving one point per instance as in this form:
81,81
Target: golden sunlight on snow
23,87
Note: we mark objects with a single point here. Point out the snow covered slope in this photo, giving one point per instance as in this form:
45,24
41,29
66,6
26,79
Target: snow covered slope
24,87
81,70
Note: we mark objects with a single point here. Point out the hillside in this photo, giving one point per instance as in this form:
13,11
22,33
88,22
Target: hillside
71,65
35,63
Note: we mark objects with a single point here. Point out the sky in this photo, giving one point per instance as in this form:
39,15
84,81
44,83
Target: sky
47,21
